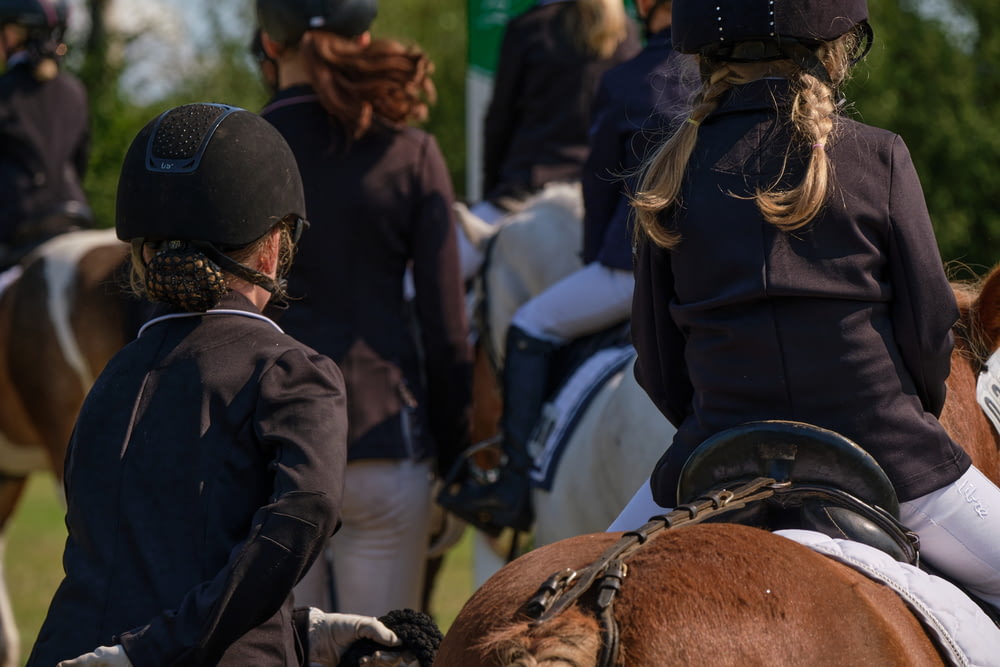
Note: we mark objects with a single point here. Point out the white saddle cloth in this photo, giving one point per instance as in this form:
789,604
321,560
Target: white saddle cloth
968,636
561,415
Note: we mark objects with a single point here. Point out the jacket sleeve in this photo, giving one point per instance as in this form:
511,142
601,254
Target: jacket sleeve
660,368
923,302
301,417
440,308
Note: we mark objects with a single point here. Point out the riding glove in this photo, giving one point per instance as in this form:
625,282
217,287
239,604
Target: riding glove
330,635
102,656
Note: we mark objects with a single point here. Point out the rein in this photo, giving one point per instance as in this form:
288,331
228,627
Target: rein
565,588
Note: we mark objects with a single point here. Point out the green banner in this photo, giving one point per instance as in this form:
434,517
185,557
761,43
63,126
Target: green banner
487,19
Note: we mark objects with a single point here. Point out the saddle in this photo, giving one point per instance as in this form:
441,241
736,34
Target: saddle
768,474
822,482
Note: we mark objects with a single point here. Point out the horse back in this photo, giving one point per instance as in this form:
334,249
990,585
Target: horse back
704,594
63,319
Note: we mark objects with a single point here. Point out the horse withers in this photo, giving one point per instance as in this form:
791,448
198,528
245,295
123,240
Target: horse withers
723,593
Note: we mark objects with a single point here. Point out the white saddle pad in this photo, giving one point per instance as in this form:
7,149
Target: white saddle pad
561,415
968,636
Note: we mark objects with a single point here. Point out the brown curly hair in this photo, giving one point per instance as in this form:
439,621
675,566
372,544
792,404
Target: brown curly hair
358,82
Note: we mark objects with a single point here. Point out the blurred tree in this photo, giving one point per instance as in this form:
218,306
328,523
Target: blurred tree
438,26
933,76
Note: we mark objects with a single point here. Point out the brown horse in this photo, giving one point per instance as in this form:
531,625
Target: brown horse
727,594
61,320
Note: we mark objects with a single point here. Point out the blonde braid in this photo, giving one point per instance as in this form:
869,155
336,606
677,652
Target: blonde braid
660,177
814,112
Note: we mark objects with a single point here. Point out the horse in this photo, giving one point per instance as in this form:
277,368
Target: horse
618,435
63,315
725,593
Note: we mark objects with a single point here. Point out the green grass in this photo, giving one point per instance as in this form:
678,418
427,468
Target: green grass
33,562
33,558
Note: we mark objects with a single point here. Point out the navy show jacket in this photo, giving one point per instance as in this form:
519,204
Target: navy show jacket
204,476
845,323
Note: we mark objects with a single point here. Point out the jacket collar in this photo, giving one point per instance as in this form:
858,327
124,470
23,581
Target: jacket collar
760,95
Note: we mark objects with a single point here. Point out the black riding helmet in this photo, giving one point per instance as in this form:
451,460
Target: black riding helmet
285,21
45,16
215,175
780,28
44,20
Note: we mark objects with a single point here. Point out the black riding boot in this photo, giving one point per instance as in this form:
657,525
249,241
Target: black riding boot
506,501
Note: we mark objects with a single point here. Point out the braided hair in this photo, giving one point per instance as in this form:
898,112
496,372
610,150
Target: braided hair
182,273
814,110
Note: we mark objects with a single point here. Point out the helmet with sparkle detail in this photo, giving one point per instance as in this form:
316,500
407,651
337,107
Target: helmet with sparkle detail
211,177
765,29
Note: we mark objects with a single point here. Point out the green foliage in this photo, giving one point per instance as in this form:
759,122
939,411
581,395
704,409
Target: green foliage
937,86
439,28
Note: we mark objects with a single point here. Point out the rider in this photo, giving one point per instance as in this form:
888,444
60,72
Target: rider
381,203
535,130
787,268
44,130
205,470
634,101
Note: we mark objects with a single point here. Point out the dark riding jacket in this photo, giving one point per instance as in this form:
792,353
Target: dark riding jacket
44,147
204,476
634,105
535,130
845,323
377,205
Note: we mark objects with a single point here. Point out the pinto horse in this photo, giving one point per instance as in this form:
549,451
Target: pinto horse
716,593
62,316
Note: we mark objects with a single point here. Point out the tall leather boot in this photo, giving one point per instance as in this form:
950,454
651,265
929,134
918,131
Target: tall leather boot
506,502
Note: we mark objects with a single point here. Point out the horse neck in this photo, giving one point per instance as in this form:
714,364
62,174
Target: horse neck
965,420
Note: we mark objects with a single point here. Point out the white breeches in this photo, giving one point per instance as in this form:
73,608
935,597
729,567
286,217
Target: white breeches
959,529
582,303
378,557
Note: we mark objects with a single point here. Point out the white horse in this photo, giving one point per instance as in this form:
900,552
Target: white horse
621,434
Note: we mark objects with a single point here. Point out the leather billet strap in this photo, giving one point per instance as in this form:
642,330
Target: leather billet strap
564,588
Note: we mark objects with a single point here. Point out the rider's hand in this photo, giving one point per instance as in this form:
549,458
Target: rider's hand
330,635
102,656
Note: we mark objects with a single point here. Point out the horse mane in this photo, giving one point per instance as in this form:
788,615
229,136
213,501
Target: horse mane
571,640
975,339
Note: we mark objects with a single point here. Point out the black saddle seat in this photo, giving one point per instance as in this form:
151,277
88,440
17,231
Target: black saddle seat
787,451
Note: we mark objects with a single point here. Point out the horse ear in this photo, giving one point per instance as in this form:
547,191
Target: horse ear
987,309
